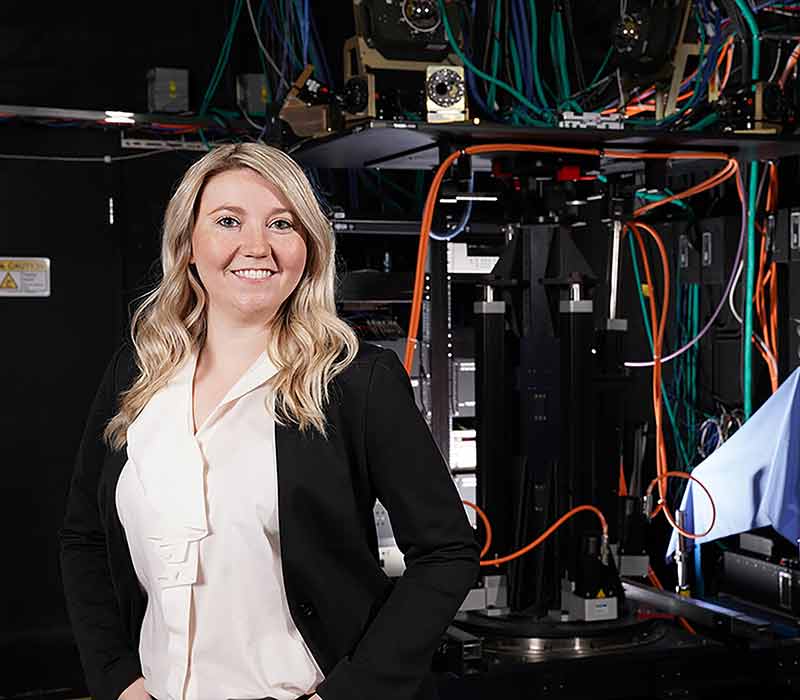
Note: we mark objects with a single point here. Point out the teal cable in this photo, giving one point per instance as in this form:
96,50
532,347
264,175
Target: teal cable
680,368
203,139
515,61
222,60
537,80
562,60
747,338
562,56
704,122
490,95
602,67
505,86
747,372
747,13
554,56
667,402
693,355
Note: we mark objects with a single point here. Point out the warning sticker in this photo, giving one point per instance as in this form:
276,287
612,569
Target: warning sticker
24,277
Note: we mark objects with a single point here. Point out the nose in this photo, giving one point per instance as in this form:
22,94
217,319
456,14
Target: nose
255,241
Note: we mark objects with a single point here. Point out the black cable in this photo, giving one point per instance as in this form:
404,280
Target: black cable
505,48
576,56
741,31
490,37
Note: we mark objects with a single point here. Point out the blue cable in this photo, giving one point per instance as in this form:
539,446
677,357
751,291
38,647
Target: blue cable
521,38
325,72
471,82
462,224
304,27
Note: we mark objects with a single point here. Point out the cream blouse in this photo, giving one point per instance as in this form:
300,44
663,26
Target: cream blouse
200,514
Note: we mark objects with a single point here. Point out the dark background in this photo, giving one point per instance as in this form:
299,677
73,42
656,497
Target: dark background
53,350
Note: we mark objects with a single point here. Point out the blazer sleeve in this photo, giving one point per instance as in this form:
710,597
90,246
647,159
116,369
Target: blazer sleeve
413,482
109,662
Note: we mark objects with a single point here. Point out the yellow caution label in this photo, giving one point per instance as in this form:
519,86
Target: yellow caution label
23,265
173,88
8,282
686,594
601,594
646,290
264,94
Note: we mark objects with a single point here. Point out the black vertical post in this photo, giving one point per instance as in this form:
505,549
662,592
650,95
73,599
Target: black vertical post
534,579
494,480
440,352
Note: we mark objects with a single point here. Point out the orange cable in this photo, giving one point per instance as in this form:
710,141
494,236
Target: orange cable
549,531
484,518
725,54
729,170
790,63
658,325
726,172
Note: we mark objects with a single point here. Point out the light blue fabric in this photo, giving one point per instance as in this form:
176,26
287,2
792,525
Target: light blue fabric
754,477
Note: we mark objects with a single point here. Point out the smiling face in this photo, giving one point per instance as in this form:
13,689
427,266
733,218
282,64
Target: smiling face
247,246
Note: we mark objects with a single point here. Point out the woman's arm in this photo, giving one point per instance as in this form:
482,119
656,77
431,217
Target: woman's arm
413,482
109,662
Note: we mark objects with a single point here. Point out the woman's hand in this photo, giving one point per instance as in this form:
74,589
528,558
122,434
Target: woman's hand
135,691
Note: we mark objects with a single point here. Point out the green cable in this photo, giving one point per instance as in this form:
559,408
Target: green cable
515,61
490,95
747,372
704,122
264,73
554,55
203,139
505,86
667,402
602,67
747,13
537,80
559,63
695,329
679,366
562,56
222,60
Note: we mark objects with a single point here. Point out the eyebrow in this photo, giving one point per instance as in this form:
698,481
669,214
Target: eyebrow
239,210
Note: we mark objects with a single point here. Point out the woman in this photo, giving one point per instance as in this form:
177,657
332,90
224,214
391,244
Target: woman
219,540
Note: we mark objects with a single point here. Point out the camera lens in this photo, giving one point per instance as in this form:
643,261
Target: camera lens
422,15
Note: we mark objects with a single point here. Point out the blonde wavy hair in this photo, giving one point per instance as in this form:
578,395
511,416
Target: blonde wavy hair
308,342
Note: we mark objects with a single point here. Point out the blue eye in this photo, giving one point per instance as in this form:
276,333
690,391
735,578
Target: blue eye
286,224
221,221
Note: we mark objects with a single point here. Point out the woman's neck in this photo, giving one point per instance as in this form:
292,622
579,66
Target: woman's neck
232,344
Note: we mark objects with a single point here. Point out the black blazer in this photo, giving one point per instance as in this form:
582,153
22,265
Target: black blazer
372,637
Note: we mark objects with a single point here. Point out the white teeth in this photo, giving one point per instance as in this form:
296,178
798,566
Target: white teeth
253,274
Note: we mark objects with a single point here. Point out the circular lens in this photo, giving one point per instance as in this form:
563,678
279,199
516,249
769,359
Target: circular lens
422,15
445,87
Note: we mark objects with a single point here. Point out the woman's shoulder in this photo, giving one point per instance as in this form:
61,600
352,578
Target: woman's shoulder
368,356
123,367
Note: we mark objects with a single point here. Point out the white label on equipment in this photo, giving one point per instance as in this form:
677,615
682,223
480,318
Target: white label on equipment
24,277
